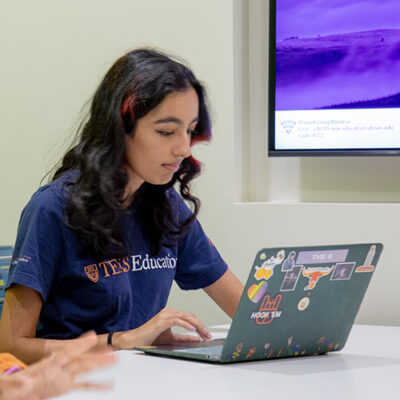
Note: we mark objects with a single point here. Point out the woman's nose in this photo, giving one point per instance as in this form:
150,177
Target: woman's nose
183,145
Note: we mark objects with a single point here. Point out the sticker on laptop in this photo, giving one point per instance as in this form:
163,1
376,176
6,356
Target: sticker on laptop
314,274
289,263
268,311
322,256
251,352
290,350
291,278
367,266
237,352
325,345
343,271
257,291
303,303
267,268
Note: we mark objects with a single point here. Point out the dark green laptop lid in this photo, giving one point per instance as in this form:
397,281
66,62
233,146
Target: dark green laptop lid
300,301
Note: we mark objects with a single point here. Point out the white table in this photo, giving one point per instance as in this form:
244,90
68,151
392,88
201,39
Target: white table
367,368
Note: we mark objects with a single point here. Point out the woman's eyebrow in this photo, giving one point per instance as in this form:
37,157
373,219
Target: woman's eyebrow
174,120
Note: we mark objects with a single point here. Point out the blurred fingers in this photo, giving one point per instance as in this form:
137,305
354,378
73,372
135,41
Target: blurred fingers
90,361
73,349
94,385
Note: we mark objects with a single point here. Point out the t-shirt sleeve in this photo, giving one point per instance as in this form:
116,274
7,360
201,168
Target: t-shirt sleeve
199,263
38,246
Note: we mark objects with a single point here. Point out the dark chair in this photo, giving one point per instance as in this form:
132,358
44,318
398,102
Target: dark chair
5,261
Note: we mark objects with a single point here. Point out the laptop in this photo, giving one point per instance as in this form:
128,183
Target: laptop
297,301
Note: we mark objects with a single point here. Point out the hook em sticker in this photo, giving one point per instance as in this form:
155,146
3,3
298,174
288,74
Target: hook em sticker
268,311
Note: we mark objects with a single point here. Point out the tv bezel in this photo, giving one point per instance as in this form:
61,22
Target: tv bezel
272,151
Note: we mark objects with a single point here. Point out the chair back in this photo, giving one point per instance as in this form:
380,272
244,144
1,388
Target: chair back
5,261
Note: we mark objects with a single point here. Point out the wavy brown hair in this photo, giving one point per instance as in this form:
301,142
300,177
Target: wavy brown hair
136,83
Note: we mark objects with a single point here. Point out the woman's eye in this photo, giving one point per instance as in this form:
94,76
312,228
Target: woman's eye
164,133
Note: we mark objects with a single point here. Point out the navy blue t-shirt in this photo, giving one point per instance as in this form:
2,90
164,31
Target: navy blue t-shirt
80,294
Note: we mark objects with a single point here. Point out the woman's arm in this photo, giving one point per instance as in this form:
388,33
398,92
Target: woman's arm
226,292
18,323
21,311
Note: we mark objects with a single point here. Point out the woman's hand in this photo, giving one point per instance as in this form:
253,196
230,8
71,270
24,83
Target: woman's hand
16,387
158,330
57,374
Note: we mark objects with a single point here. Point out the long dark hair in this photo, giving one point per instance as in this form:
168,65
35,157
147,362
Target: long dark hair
134,85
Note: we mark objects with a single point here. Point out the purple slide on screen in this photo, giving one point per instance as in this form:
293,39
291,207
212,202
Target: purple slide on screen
337,54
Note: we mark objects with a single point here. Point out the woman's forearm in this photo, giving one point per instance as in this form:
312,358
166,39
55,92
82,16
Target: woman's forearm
30,350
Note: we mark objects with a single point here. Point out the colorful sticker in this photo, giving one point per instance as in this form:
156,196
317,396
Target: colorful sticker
288,351
370,256
267,268
325,345
290,281
236,353
257,291
367,266
303,303
268,310
322,256
314,274
251,352
289,263
343,271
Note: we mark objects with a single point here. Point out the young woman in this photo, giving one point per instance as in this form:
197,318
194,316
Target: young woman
99,246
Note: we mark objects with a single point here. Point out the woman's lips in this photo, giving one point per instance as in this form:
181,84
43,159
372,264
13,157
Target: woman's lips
171,167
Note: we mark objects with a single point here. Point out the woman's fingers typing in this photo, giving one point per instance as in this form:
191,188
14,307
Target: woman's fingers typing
170,317
158,330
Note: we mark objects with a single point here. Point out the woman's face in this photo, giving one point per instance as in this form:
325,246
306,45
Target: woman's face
161,140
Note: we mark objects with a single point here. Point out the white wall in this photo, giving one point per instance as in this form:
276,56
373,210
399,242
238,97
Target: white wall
54,53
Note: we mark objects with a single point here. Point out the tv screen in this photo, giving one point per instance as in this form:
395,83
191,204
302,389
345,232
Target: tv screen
334,77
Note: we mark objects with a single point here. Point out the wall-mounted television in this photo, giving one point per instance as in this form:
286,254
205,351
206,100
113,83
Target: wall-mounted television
334,77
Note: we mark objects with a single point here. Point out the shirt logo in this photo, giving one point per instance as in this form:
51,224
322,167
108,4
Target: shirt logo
92,272
135,263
